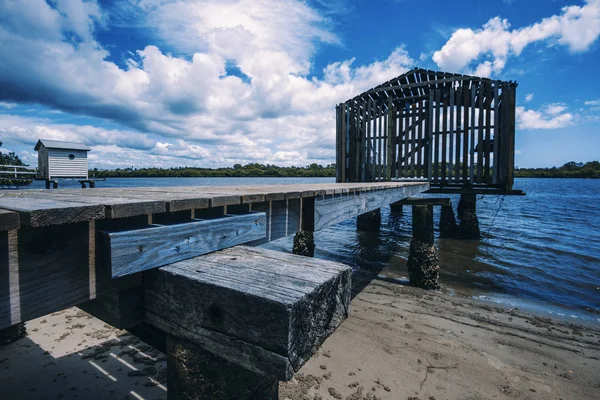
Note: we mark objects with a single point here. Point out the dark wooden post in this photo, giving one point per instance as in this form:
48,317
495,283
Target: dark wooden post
304,244
194,373
448,226
467,213
423,268
12,333
396,208
370,221
304,240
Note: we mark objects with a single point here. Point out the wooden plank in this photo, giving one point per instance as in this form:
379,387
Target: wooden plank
451,135
42,212
414,85
389,141
5,282
465,155
417,142
429,136
264,310
342,166
368,133
443,171
420,201
9,220
436,138
480,144
329,211
410,138
115,207
142,249
338,143
472,139
488,134
363,143
496,134
511,137
459,134
53,272
10,297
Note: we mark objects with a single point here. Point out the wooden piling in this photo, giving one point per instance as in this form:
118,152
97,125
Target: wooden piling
467,213
448,225
423,267
304,244
370,221
194,373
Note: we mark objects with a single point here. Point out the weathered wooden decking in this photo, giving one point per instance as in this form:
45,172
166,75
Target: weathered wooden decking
64,247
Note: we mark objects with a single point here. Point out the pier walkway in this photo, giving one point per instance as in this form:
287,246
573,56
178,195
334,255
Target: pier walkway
241,318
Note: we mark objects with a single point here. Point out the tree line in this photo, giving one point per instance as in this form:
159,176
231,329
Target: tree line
237,171
569,170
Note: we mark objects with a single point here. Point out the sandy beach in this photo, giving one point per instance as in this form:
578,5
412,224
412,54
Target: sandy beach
398,343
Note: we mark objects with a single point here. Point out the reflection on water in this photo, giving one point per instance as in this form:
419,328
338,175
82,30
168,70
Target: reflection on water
541,249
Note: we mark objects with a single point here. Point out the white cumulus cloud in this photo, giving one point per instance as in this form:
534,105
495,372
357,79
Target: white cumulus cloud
576,27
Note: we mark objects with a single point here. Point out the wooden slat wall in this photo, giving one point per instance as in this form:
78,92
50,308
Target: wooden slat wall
450,133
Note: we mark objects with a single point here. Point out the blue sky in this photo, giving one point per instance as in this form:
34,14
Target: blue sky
214,83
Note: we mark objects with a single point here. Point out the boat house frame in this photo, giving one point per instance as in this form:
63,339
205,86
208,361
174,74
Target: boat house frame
455,131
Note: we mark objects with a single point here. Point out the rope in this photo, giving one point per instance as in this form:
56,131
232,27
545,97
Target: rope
501,200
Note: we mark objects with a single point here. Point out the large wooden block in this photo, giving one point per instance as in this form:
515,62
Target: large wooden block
131,251
264,310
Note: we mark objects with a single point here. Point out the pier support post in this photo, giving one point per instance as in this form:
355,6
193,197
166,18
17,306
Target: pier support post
304,244
467,213
448,225
396,208
370,221
194,373
423,267
12,333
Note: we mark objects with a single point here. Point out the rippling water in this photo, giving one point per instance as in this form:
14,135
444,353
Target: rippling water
539,252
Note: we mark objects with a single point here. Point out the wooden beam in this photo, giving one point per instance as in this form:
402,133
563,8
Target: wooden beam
331,210
425,201
43,212
51,270
142,249
263,310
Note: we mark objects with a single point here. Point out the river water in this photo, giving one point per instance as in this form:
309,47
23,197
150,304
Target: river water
540,252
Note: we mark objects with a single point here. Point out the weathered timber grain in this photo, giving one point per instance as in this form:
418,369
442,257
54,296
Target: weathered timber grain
422,223
142,249
54,271
194,373
123,309
329,211
263,310
9,220
43,212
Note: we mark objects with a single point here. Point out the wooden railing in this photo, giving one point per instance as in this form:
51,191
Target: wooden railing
16,173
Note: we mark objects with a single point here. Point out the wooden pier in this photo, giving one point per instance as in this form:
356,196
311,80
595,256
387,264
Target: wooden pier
144,258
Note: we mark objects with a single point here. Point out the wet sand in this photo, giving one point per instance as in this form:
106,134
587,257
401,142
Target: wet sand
398,343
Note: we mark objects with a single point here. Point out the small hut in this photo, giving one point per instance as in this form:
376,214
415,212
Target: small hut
58,159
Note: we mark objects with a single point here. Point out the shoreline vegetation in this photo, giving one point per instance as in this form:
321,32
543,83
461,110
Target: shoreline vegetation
237,171
569,170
